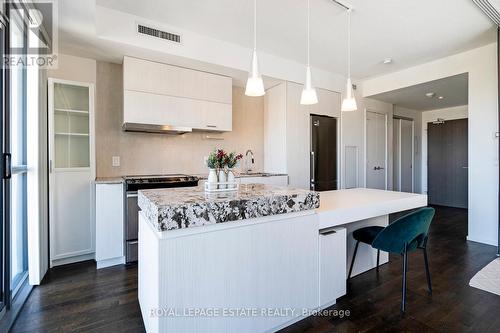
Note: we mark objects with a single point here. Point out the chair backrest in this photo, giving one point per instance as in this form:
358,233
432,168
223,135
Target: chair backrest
410,229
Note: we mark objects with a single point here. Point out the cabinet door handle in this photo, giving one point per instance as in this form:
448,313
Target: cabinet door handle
327,231
7,166
212,126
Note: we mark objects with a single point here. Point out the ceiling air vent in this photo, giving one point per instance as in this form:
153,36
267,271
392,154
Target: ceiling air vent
491,8
142,29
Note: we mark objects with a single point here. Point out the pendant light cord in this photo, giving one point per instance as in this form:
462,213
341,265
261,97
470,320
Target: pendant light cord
349,43
308,32
255,25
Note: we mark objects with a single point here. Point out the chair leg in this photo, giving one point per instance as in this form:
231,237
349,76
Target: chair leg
427,272
353,257
405,269
378,258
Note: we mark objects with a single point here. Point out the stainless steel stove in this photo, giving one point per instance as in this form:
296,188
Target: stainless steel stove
132,185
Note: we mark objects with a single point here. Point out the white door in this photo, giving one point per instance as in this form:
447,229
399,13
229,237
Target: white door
71,168
406,165
376,150
403,144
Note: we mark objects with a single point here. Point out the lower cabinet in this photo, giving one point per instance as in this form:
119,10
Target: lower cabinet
332,265
109,225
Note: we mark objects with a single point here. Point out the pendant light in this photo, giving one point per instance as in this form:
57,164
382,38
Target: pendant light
255,85
349,102
308,96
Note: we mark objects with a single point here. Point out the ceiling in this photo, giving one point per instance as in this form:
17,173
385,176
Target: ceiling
410,32
454,90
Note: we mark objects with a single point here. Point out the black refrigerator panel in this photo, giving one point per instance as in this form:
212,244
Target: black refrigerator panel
323,153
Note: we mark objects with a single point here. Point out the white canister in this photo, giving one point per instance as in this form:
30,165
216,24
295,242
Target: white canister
230,178
222,179
212,179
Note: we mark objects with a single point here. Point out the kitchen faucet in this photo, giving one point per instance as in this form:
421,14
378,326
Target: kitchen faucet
249,167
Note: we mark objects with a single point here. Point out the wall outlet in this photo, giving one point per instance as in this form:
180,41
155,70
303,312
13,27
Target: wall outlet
115,161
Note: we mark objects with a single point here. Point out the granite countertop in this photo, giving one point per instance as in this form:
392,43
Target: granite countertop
109,180
179,208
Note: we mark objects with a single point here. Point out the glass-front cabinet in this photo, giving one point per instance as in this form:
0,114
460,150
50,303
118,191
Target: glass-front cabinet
71,171
71,126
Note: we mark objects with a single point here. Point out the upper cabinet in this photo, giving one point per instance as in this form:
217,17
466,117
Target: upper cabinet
160,95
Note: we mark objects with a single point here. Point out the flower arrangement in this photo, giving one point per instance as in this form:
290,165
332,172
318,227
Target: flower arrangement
221,175
219,159
232,159
216,159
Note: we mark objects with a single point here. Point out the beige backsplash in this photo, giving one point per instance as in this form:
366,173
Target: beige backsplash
145,153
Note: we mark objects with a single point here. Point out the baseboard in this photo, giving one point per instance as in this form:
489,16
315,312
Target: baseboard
70,260
483,241
110,262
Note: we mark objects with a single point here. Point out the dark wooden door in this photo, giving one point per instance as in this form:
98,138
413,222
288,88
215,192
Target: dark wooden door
447,163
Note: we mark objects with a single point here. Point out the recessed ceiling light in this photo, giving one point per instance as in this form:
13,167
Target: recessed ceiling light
430,94
387,61
440,97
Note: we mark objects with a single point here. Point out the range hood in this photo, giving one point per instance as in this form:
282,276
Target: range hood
150,128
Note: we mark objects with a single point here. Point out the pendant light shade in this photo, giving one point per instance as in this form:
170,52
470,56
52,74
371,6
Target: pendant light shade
255,85
349,102
309,95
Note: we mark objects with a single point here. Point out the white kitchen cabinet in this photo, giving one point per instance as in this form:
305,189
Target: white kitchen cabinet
145,108
71,171
287,133
162,79
271,180
332,265
109,225
175,96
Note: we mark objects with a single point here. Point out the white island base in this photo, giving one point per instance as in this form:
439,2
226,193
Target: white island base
262,274
245,272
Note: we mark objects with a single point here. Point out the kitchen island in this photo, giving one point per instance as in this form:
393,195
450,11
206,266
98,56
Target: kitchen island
254,260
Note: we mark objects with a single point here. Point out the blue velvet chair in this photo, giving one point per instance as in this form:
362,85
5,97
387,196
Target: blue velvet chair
406,234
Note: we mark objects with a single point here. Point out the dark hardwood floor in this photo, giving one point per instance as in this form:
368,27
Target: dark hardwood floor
78,298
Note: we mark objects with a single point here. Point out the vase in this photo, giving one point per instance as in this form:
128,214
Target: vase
230,179
212,179
222,179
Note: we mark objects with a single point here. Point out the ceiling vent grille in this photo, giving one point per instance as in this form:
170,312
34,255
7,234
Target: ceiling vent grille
490,8
144,30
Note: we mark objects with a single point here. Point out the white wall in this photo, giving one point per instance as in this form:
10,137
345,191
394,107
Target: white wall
37,181
481,65
417,141
275,135
458,112
353,134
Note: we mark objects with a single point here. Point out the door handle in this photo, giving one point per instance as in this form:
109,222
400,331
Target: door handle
378,168
313,175
7,166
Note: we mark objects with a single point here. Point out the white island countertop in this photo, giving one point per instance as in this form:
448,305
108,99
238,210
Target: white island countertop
346,206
